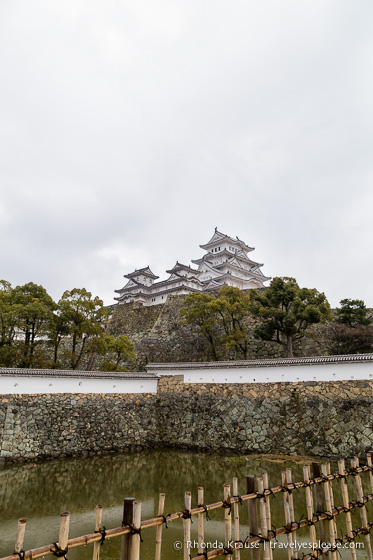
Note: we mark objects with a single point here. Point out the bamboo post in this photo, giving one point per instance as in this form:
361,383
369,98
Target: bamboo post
158,534
263,520
64,530
309,503
363,511
97,545
187,522
370,464
237,553
201,534
345,498
21,528
127,520
329,508
320,507
253,515
227,517
331,491
268,508
135,539
292,512
332,505
287,516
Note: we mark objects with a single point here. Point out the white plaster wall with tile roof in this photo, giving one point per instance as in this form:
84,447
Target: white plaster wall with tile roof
327,368
30,382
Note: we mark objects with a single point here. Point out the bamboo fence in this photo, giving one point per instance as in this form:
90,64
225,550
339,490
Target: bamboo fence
260,540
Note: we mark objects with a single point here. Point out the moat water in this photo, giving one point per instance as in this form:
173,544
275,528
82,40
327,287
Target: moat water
40,491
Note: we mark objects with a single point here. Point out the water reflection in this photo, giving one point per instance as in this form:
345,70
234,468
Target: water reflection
41,491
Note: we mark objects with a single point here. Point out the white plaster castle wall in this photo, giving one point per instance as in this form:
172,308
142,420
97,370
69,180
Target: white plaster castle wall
271,374
29,385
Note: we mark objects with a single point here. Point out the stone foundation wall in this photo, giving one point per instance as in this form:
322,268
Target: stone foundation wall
309,418
67,424
313,418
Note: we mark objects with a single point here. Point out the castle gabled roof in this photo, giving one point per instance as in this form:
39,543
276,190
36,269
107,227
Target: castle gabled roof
254,272
212,285
234,262
218,237
242,255
129,285
223,253
180,266
243,244
209,265
142,271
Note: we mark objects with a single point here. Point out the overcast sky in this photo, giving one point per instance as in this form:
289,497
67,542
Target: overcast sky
130,129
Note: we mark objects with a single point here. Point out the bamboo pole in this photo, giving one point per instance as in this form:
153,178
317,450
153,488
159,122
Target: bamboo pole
135,539
268,508
237,553
329,508
332,506
309,504
126,520
187,522
292,512
21,528
253,515
158,534
63,536
345,498
332,499
363,511
287,517
227,517
320,507
201,534
263,520
370,464
97,545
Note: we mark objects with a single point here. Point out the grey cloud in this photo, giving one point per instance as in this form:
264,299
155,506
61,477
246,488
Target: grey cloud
129,131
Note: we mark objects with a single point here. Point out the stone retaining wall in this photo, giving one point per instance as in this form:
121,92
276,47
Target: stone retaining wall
68,424
159,336
309,418
313,418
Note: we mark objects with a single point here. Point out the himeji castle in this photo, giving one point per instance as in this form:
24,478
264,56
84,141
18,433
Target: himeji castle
225,262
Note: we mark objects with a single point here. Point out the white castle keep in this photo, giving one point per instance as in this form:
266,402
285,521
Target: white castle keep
225,263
